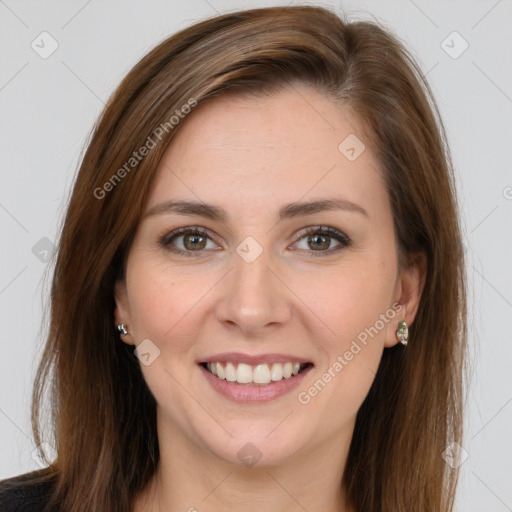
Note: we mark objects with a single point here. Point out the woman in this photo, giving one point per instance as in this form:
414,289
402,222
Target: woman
266,213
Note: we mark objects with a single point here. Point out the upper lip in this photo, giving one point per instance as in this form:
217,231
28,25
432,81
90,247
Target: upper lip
253,360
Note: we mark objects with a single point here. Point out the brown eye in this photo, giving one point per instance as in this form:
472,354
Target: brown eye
188,241
318,241
194,242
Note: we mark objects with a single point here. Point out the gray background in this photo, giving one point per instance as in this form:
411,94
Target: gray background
48,106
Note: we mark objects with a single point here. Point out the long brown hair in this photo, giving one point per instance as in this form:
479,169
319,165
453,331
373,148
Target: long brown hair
103,416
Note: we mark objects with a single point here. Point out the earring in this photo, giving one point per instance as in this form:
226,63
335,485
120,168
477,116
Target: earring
122,329
402,333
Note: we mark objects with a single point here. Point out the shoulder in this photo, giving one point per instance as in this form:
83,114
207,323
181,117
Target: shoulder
25,493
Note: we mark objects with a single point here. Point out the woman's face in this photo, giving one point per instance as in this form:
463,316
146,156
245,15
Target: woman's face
260,282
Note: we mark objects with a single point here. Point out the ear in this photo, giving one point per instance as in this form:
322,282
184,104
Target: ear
121,310
408,291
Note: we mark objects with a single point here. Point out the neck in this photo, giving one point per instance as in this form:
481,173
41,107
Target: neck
191,478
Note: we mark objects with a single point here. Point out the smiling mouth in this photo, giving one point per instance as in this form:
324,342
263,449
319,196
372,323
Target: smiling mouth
258,375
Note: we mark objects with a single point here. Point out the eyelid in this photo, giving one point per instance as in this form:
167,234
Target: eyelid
176,233
342,238
327,230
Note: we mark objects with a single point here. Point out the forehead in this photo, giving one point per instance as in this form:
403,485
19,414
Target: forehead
275,149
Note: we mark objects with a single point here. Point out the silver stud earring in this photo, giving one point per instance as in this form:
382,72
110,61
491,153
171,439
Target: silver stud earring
122,329
402,333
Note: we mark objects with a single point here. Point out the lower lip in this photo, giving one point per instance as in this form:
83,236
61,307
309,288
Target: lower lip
243,393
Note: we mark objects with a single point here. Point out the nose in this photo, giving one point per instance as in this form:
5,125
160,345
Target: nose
253,298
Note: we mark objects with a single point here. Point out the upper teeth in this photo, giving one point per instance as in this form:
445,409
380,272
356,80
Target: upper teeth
259,374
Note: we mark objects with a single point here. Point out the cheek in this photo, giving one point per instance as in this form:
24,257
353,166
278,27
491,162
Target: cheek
162,310
347,299
353,303
159,302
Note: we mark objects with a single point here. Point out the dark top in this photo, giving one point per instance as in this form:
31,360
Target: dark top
17,495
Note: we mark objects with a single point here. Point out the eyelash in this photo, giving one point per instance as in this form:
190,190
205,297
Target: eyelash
323,230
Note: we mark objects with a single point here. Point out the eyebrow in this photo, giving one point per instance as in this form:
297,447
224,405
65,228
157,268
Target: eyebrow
289,211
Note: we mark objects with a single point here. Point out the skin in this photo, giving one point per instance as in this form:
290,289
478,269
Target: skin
251,155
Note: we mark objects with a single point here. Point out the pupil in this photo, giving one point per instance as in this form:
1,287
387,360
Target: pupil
319,239
194,241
